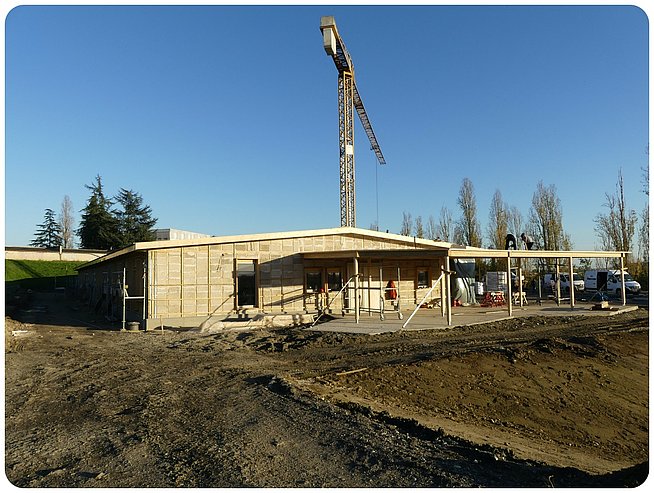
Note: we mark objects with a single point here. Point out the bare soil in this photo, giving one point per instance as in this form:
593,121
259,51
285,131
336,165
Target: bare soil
528,402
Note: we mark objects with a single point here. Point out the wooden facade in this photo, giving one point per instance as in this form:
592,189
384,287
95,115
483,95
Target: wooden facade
186,282
190,282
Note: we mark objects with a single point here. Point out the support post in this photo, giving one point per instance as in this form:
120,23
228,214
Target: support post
145,272
509,297
571,283
448,291
520,281
356,289
443,300
558,283
623,290
123,294
397,301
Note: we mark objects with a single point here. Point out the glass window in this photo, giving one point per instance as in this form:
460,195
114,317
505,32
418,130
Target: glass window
334,280
423,278
314,282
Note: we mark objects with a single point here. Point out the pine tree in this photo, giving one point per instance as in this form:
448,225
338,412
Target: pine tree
98,227
49,233
135,221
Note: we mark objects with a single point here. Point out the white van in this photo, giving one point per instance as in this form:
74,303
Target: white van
549,281
609,280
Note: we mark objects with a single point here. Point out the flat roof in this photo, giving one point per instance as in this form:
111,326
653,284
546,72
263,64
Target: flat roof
458,252
423,248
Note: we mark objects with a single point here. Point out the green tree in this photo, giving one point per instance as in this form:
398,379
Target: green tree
98,227
135,221
48,234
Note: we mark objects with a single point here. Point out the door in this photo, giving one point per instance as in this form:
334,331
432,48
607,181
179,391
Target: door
246,283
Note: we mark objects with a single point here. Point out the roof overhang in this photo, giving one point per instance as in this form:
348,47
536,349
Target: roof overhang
457,252
490,253
396,254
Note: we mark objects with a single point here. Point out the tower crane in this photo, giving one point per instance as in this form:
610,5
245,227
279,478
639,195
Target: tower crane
348,99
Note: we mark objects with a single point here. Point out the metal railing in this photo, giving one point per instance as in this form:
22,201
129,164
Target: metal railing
423,300
333,298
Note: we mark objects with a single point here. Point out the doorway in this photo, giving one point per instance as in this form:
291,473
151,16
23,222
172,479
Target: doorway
246,283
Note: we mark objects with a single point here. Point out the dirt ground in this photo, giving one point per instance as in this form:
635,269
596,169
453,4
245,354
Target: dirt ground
527,402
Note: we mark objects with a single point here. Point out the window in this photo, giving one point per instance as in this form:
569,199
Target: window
334,280
423,278
314,281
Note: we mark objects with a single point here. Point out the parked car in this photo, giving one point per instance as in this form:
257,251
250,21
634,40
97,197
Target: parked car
610,281
549,281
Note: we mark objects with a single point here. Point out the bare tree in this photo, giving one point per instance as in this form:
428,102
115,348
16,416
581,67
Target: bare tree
616,228
67,223
445,225
643,236
498,221
643,233
419,228
514,221
546,219
431,229
407,224
467,230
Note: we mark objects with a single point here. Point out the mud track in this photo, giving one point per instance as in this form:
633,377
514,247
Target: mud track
535,402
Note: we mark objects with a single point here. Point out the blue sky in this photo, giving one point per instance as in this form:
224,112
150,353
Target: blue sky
225,118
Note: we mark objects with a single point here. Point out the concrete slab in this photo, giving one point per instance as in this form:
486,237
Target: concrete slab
431,319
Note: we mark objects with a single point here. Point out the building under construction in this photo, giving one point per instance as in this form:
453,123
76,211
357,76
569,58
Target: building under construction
198,281
344,270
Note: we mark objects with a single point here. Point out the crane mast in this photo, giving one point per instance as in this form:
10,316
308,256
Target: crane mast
349,99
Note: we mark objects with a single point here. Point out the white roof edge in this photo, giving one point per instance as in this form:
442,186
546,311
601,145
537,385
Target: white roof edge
217,240
346,230
109,256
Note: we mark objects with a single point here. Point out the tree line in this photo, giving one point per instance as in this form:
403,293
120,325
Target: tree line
615,226
106,223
